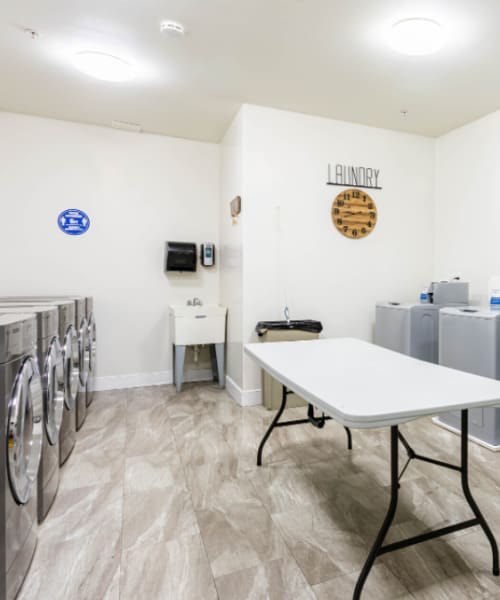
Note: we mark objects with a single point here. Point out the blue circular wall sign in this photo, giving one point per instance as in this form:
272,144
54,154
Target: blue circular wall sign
73,221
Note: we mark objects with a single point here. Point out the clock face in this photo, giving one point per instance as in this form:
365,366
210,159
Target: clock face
354,213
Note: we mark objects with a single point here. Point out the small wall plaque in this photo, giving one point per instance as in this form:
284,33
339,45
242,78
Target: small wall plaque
235,208
73,221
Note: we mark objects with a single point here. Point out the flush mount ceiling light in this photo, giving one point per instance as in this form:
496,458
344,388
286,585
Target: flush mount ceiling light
103,66
416,36
172,28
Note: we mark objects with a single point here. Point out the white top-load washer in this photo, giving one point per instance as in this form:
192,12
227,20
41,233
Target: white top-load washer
469,340
21,410
413,328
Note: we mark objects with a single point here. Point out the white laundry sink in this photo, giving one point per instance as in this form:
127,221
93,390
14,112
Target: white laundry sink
191,325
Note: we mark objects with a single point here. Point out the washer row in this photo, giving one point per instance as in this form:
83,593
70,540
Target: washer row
47,370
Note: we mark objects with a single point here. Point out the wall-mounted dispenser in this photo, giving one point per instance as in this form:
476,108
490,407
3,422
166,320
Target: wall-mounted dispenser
180,256
207,254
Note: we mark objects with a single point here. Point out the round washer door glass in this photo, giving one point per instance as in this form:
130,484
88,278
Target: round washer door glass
84,349
24,435
54,391
71,367
92,343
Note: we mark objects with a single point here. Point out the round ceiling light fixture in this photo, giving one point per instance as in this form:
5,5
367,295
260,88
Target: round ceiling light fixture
103,66
416,36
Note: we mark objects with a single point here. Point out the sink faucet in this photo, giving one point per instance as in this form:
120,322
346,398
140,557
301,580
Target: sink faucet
194,302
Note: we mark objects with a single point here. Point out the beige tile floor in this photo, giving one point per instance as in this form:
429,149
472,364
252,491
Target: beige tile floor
161,500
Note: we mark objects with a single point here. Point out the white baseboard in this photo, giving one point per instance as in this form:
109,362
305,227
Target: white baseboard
243,397
120,382
472,438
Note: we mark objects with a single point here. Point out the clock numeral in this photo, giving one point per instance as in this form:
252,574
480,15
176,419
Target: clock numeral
372,215
347,196
339,221
354,232
345,228
364,197
336,211
341,202
355,194
369,224
370,206
363,230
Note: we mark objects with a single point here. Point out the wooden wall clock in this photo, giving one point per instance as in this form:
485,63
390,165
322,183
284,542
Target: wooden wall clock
354,213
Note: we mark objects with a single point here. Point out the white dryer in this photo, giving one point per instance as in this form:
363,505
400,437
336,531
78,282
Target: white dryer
21,411
50,362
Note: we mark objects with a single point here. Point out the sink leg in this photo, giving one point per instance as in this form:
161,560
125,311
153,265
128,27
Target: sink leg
213,362
173,362
219,353
180,354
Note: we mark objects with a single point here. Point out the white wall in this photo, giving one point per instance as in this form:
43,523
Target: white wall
467,204
139,191
231,249
292,252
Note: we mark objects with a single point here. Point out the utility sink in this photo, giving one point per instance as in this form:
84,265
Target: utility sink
190,325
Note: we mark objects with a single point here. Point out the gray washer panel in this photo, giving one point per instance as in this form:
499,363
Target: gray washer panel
470,341
411,329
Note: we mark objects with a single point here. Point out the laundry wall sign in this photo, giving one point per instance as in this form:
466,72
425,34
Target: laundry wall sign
352,176
73,221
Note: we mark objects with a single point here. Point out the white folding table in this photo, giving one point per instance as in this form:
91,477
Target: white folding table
361,385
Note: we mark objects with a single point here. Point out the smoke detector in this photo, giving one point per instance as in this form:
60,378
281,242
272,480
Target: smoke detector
32,33
172,28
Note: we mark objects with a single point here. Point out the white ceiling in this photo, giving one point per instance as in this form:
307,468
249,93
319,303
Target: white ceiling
323,57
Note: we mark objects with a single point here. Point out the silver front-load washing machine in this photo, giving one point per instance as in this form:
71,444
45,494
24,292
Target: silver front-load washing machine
50,363
82,327
89,305
69,343
82,330
21,412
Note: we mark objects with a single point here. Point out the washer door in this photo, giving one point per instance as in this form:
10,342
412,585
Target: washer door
24,436
84,351
92,342
71,359
54,391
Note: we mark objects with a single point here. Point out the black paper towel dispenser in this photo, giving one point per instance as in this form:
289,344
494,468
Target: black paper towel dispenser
180,256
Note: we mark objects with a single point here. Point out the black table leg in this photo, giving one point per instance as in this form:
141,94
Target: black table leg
375,551
378,548
318,422
272,426
349,438
468,494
